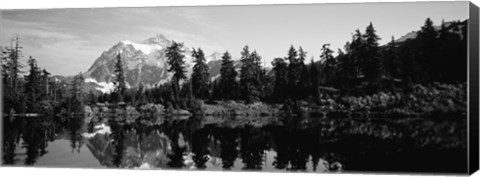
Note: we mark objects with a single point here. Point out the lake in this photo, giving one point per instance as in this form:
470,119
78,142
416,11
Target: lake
224,143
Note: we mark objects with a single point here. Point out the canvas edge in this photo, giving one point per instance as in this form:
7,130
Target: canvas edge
1,101
473,92
473,87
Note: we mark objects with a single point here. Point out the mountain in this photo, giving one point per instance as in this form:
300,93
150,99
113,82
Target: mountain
452,26
143,62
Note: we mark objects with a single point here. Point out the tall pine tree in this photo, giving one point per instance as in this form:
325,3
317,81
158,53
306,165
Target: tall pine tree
76,98
175,59
293,74
259,73
249,77
328,62
280,68
427,52
228,75
200,75
314,80
391,62
371,59
304,80
120,85
32,86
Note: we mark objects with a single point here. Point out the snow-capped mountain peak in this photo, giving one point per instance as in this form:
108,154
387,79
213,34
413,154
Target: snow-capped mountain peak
145,48
214,56
157,40
143,62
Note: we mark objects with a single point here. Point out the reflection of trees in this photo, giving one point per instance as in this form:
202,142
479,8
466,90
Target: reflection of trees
176,157
12,131
292,146
178,131
35,137
200,149
118,137
280,136
74,125
229,143
341,144
252,144
299,143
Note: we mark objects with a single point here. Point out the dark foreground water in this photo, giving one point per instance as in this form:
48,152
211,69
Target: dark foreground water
214,143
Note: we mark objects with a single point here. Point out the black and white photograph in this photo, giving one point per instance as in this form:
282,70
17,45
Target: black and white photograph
306,88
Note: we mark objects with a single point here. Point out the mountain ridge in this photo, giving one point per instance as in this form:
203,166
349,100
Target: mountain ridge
144,63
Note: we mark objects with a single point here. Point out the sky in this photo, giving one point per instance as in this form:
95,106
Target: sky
67,41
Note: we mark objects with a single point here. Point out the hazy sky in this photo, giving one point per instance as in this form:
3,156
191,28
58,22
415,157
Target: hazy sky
67,41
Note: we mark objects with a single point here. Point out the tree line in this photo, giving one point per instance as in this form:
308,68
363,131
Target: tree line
435,54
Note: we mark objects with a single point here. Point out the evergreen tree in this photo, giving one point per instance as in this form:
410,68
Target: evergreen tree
371,66
259,73
32,86
228,75
10,60
391,61
314,80
293,74
329,63
304,79
451,46
296,72
216,91
280,68
349,70
342,71
245,74
45,83
356,54
200,75
92,98
427,52
5,62
15,54
120,85
249,77
140,96
266,84
187,94
175,60
75,100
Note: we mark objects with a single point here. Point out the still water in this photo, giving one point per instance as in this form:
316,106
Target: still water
216,143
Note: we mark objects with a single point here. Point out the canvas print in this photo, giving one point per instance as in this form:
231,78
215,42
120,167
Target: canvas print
311,88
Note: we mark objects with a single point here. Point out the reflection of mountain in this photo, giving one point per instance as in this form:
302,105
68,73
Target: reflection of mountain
138,150
101,149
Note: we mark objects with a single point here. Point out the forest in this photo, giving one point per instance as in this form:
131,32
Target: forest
420,75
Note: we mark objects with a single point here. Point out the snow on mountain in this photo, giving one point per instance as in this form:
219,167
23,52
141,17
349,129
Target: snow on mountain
215,56
104,86
143,62
145,48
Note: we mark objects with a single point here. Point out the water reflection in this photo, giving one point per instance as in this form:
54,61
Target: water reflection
319,145
229,143
252,146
